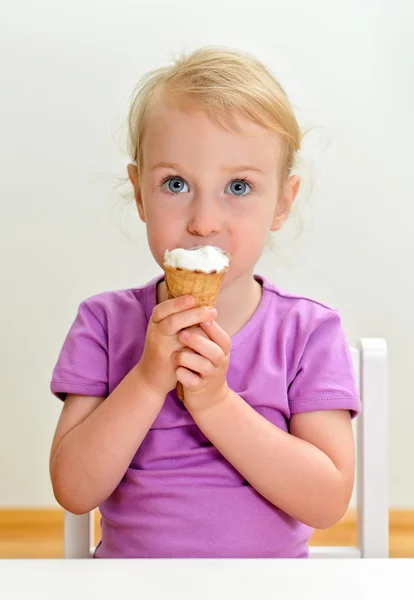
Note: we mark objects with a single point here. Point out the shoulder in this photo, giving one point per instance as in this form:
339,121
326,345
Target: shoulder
113,305
300,310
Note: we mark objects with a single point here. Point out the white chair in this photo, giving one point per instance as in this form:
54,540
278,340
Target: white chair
371,372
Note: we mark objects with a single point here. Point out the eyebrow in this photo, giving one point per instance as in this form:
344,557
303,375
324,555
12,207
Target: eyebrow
228,168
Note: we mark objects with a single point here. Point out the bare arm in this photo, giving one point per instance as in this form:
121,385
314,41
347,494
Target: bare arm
308,473
97,438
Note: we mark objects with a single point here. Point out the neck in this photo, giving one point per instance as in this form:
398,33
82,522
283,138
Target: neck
231,321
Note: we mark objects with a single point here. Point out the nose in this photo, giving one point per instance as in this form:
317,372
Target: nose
205,218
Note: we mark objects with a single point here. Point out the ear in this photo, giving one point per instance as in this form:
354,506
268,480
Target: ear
133,177
285,202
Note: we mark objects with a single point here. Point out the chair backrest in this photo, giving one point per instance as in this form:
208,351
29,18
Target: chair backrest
370,363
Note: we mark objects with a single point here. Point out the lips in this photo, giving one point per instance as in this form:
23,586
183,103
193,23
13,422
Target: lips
205,245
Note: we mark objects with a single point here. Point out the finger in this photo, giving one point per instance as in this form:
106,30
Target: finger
170,307
186,318
217,335
195,362
202,345
188,378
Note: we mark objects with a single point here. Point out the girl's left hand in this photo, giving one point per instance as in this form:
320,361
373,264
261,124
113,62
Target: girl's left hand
207,352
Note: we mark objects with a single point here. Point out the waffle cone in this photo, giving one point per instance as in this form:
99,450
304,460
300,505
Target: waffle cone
204,287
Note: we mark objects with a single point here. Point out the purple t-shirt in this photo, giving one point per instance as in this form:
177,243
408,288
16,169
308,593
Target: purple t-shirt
180,498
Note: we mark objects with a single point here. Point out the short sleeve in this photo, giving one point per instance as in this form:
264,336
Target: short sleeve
82,366
325,376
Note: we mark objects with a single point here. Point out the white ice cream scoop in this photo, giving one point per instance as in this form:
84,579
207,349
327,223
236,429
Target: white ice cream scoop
201,258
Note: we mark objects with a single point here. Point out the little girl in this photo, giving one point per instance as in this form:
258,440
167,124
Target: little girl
261,449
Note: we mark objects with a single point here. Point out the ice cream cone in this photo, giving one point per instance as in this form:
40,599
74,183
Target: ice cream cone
204,287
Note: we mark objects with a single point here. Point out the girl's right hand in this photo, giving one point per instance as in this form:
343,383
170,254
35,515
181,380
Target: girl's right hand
157,367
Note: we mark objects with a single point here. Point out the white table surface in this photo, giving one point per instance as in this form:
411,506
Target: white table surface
333,579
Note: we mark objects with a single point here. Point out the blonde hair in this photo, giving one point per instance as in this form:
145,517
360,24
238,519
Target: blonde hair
223,82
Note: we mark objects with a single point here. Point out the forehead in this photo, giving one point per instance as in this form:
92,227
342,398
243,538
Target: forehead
189,135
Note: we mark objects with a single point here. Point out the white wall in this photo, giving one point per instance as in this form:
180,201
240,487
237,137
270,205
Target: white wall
67,70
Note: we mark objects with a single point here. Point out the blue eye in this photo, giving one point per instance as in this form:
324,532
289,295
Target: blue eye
175,182
175,186
238,187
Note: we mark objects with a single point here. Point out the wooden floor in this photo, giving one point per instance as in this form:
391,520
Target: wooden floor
39,533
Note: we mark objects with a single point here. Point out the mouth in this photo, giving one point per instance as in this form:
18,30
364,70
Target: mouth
198,247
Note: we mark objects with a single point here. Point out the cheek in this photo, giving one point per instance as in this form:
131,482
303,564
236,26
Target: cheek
252,225
165,224
255,228
163,231
164,213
